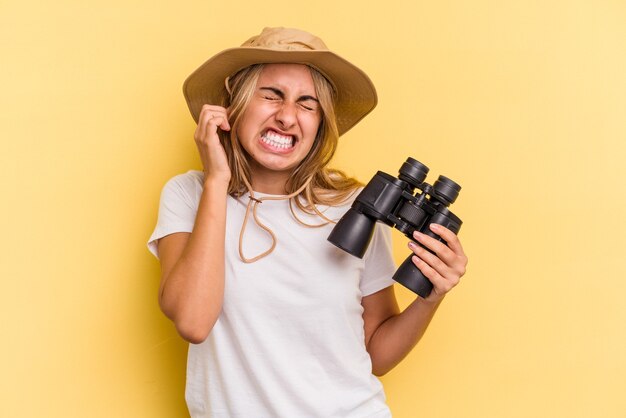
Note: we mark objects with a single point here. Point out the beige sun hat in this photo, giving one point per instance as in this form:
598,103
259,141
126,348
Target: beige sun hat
356,94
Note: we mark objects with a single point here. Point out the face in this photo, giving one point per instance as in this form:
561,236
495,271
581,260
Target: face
279,125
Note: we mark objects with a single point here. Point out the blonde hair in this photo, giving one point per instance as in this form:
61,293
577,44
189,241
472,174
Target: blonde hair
324,185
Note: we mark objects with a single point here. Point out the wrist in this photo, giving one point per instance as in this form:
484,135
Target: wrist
432,300
215,182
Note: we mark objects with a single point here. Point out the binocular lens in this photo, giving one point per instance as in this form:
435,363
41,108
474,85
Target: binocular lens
413,172
353,233
446,189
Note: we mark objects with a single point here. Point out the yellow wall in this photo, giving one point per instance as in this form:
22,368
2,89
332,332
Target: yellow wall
522,102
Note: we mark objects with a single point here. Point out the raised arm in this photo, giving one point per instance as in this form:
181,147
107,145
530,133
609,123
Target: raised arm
192,264
389,334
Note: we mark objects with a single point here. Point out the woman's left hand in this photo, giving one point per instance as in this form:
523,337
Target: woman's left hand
445,267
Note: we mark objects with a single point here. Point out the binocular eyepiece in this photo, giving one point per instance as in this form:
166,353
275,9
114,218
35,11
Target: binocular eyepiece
394,202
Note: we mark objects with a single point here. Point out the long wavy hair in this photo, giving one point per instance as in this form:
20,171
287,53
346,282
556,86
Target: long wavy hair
326,186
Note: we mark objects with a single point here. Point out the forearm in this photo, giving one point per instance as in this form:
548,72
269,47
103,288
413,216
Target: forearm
193,291
397,336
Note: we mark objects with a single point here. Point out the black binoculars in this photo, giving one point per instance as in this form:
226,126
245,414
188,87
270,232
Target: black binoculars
393,202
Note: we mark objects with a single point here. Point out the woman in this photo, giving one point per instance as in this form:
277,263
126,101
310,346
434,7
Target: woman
282,323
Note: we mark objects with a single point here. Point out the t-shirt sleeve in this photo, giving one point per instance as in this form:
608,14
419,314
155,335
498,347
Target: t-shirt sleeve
379,265
177,208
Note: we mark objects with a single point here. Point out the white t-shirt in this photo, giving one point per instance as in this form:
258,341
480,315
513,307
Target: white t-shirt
290,339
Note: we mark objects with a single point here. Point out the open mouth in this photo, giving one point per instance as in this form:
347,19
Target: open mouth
278,141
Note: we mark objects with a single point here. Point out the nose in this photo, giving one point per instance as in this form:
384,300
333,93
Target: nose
286,115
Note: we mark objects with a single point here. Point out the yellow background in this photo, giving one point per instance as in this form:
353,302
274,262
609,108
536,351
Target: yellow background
522,102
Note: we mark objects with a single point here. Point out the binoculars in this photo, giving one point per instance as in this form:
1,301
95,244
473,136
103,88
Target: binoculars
394,202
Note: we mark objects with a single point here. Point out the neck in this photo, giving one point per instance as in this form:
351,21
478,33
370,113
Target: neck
270,182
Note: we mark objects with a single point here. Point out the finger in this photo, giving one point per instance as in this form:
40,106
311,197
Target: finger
220,120
438,281
218,112
458,261
211,115
203,121
448,236
431,259
435,246
226,125
208,126
441,284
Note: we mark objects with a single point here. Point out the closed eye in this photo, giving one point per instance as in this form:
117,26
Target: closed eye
307,106
271,93
309,102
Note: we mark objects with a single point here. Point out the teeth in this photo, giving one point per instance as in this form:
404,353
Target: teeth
277,140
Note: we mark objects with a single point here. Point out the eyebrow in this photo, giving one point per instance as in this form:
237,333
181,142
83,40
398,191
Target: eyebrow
280,94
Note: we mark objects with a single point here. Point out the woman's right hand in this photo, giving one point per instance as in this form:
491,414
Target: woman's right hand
212,154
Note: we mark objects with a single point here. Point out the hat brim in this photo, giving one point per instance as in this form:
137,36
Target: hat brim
356,94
